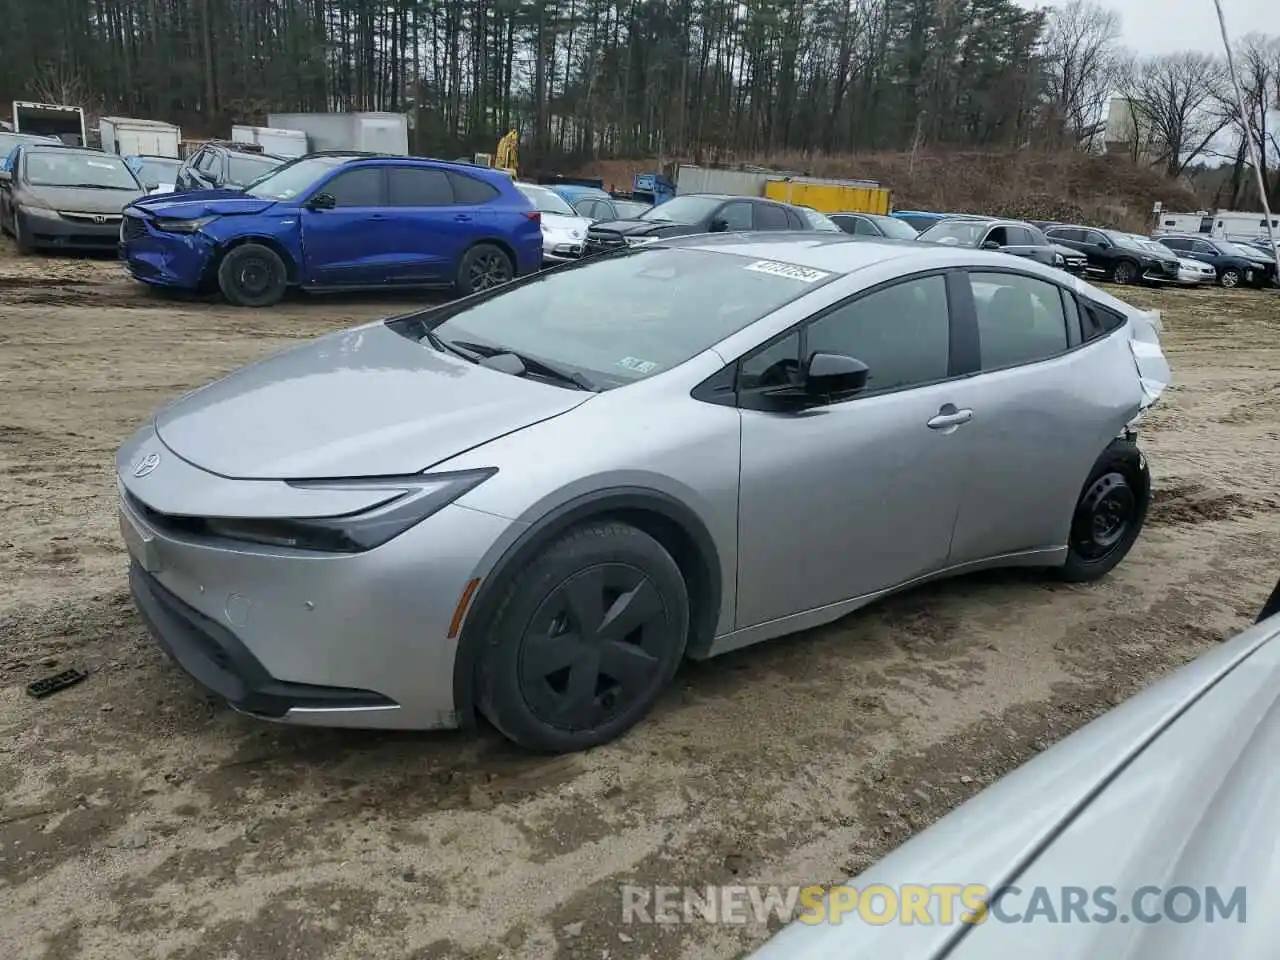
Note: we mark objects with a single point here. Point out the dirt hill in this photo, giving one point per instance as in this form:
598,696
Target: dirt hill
1100,190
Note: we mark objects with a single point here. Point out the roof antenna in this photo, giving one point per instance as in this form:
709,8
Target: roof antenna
1246,127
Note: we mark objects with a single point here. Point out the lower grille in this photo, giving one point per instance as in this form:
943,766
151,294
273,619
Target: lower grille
132,228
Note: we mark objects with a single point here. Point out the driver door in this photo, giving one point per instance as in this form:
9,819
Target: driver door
350,245
840,501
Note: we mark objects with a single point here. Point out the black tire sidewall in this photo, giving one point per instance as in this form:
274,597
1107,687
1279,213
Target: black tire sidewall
230,289
1121,456
499,695
463,280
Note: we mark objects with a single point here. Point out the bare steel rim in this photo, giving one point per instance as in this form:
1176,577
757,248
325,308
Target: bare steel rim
1104,518
255,274
596,647
489,268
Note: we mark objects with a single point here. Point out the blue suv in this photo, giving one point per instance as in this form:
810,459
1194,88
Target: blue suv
337,221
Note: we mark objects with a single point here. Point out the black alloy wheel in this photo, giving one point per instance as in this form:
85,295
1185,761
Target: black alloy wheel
584,640
1125,272
483,268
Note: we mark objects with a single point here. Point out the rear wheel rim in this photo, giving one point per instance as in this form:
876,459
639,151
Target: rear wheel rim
595,647
1104,518
488,270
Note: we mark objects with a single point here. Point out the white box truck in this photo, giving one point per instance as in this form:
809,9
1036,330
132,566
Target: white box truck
366,132
127,137
273,140
59,120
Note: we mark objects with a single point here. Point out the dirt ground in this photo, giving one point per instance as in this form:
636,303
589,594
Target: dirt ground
140,820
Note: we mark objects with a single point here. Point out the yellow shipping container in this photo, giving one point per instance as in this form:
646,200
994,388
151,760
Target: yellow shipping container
830,196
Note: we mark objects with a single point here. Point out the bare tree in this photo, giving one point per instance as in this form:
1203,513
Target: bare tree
1258,67
1177,97
1079,56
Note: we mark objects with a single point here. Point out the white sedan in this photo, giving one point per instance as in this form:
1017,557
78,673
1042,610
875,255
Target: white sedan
564,231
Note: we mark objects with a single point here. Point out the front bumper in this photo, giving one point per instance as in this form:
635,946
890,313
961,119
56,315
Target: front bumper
1161,273
50,230
177,260
562,251
353,640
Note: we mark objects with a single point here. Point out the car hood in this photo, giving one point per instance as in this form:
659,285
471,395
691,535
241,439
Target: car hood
358,403
1198,266
560,224
1174,787
83,199
640,228
1068,252
202,203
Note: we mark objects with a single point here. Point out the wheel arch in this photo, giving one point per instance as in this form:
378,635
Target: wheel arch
290,264
501,244
673,524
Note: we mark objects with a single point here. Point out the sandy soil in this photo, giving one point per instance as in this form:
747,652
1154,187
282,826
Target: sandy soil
138,819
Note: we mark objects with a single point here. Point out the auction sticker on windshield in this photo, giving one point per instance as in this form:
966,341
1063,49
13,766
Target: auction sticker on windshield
791,271
638,365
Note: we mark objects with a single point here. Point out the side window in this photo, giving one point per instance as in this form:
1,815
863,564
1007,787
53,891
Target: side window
1020,236
469,190
1201,247
795,221
774,366
206,161
736,215
1094,237
361,187
1096,321
586,207
770,217
1173,243
418,187
902,333
863,227
1020,319
997,235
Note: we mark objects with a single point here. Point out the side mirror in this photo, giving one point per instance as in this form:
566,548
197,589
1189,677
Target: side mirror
322,201
152,185
834,375
990,245
719,225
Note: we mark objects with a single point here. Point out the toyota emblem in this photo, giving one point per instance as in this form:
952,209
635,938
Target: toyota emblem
146,465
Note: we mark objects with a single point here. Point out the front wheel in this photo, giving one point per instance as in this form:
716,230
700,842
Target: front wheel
1125,272
483,267
21,237
252,275
1109,514
1229,278
585,640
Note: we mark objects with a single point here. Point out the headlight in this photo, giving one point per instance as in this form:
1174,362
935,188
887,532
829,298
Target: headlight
639,241
169,225
1059,260
409,501
38,210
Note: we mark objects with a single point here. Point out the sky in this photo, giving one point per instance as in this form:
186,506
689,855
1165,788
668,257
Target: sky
1165,26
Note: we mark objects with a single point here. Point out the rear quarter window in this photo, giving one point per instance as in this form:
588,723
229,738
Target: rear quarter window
469,190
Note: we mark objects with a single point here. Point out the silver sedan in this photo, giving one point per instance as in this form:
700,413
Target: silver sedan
535,502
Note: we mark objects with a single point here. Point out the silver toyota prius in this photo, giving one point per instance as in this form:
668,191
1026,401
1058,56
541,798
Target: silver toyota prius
536,501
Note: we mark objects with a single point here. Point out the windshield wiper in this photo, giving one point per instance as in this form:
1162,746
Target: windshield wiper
447,346
532,364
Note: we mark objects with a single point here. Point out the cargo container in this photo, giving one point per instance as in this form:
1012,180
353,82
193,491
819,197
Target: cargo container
130,137
366,132
59,120
274,140
824,194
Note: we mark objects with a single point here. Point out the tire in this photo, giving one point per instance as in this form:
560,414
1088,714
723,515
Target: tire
1109,514
533,655
1125,272
1229,278
21,239
252,275
484,267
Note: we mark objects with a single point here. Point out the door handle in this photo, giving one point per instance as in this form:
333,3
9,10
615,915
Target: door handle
462,217
377,216
949,416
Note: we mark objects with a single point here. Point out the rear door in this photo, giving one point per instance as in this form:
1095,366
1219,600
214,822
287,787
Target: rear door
349,245
770,216
426,226
737,216
1046,403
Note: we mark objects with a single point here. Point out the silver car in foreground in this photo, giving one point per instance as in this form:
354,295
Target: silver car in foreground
1147,835
536,501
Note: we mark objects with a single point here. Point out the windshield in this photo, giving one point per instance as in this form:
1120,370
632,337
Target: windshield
820,221
964,233
156,169
895,229
683,210
630,209
1123,240
1243,250
246,168
545,201
293,179
65,168
625,317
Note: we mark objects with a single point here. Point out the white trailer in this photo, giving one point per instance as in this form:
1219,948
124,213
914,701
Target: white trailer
1199,222
273,140
59,120
1242,223
128,136
366,132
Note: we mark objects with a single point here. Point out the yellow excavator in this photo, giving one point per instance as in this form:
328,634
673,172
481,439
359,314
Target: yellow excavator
504,158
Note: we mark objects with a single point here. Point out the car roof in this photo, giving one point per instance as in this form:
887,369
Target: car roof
64,148
840,253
